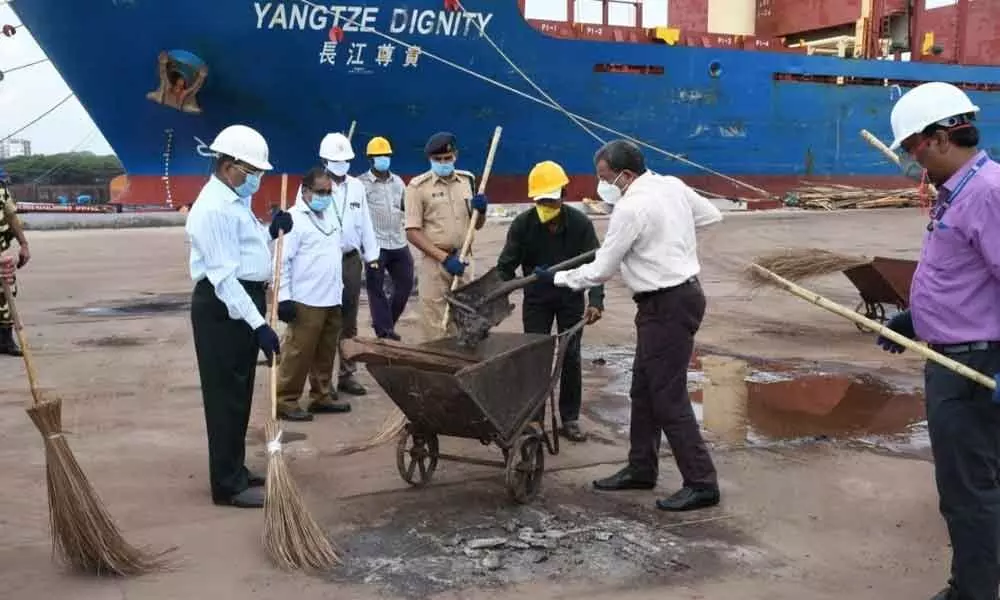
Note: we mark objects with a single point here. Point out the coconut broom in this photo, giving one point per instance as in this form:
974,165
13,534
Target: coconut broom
83,534
797,264
395,423
292,538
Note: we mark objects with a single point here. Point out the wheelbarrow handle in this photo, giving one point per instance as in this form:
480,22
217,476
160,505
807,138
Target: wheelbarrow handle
516,284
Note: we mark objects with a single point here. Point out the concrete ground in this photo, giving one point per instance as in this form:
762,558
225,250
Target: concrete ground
803,516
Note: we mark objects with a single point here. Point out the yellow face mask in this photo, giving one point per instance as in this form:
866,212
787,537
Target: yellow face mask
547,213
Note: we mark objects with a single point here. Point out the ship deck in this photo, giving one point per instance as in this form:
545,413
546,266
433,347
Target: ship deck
833,518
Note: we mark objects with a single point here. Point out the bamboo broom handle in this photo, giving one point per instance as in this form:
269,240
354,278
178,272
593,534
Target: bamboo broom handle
350,132
29,361
877,143
272,314
471,231
882,330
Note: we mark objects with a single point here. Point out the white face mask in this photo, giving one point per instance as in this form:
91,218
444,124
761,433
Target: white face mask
609,192
338,167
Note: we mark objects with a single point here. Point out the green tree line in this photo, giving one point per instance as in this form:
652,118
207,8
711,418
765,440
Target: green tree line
68,168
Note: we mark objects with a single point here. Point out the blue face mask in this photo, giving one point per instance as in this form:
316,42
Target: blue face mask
250,186
381,163
320,203
442,169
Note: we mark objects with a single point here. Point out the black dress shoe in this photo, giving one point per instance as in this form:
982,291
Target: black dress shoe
256,480
332,406
627,479
294,414
249,498
349,386
690,499
947,593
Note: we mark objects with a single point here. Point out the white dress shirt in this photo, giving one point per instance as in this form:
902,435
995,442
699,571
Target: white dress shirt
228,243
312,258
385,201
350,210
651,237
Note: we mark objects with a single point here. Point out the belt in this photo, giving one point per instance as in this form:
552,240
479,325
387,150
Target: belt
250,286
963,348
351,253
642,296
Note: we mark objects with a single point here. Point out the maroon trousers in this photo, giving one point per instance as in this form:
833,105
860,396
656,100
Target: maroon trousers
666,322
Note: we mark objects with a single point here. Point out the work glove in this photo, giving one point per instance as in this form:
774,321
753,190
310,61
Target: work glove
901,323
480,202
286,311
544,275
267,339
280,221
453,265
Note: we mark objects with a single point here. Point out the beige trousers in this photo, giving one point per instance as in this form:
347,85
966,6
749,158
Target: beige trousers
308,349
432,284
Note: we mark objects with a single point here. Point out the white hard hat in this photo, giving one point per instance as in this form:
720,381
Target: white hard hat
242,143
925,105
336,146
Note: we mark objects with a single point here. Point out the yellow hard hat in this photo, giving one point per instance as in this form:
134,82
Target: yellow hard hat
379,146
546,178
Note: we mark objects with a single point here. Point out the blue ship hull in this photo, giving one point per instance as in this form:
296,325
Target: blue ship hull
272,65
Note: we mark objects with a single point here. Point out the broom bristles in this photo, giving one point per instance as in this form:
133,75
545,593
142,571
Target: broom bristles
83,533
392,427
797,264
292,538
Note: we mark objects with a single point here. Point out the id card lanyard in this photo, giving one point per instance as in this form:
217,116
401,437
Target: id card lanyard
938,212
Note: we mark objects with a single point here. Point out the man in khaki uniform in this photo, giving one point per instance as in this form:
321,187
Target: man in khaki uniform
439,205
10,229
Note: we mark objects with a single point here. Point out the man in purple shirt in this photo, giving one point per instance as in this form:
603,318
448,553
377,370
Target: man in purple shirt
955,308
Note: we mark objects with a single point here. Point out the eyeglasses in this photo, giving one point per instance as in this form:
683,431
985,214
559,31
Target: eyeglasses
247,170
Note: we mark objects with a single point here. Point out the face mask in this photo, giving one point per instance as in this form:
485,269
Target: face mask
442,169
338,167
381,163
249,187
547,213
609,192
320,203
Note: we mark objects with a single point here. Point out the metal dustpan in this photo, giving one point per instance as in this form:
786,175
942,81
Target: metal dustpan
483,303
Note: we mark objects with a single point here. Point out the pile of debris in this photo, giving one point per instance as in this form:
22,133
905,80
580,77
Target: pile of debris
838,196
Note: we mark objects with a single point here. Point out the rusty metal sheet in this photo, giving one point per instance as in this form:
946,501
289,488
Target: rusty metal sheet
488,401
688,15
884,280
776,18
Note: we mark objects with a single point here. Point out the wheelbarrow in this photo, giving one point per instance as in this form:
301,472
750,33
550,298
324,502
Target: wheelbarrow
494,393
881,282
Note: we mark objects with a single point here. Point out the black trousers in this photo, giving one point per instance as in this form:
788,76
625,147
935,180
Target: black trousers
227,360
666,323
964,426
537,317
353,275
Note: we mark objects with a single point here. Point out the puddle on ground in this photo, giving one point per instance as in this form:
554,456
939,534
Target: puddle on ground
149,305
761,404
437,540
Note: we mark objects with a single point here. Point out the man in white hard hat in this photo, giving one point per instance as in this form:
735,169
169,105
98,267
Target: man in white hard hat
350,210
651,240
954,307
231,266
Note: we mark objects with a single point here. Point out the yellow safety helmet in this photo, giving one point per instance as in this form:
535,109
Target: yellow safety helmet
379,146
546,178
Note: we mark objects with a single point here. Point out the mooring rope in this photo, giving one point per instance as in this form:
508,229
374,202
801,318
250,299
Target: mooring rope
37,119
503,86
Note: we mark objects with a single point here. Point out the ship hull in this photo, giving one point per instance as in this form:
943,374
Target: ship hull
751,115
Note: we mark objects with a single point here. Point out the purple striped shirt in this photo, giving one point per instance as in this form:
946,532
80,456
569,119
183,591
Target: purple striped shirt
955,294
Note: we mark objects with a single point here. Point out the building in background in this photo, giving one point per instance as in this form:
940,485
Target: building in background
13,148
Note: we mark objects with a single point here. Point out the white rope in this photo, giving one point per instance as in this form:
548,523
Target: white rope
526,96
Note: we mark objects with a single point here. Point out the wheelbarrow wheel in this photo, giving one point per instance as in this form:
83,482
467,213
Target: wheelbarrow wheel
417,457
525,464
873,311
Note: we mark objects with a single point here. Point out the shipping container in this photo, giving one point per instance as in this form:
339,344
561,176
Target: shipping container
957,31
778,18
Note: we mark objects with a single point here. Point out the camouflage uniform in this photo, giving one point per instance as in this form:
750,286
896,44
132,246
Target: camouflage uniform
8,212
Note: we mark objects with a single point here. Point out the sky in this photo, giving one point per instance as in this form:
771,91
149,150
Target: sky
27,93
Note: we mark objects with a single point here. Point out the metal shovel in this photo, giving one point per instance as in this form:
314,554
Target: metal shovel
483,303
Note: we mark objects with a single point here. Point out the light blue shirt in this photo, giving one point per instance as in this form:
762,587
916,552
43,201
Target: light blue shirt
228,243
